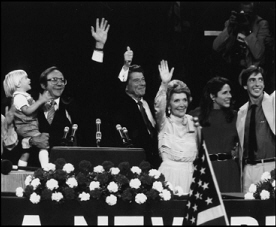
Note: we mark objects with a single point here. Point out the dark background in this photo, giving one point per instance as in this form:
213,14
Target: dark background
37,35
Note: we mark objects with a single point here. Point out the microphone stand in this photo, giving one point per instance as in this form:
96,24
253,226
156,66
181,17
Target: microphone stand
98,138
128,142
98,132
72,137
98,143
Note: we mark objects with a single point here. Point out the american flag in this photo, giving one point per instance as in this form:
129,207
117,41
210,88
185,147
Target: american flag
204,203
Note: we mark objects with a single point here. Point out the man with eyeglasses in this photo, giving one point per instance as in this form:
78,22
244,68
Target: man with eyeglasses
65,109
56,114
62,111
134,112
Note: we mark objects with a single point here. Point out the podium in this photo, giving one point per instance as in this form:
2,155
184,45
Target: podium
97,155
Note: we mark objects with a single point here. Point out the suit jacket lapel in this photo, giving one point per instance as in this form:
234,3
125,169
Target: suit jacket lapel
241,122
268,111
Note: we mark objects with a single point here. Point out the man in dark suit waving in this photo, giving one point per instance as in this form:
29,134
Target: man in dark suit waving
134,113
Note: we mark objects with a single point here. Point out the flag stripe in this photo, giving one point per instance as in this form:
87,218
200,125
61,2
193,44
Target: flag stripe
217,221
207,215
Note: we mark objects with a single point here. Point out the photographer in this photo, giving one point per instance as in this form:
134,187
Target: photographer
245,36
244,41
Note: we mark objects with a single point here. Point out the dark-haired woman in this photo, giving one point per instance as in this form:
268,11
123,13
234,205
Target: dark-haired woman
218,121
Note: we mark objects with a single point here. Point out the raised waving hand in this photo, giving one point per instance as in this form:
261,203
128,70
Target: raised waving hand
100,34
165,74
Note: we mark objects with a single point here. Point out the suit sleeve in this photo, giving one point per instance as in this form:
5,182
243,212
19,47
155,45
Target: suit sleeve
256,40
220,41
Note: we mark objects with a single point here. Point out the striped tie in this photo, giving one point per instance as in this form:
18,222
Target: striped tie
51,112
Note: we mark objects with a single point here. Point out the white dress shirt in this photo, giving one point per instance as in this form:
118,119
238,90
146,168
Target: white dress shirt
123,74
97,56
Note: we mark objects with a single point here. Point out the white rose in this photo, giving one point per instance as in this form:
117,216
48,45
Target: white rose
72,182
35,182
135,183
154,173
157,185
68,168
112,187
52,184
19,192
35,198
273,184
252,188
114,170
111,200
165,195
249,195
140,198
49,166
28,180
136,169
57,196
94,184
178,190
264,195
98,169
265,176
84,196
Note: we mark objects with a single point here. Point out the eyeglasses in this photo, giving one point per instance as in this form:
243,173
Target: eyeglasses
55,80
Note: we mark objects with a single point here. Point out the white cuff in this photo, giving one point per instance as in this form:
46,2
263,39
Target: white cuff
123,75
97,56
25,143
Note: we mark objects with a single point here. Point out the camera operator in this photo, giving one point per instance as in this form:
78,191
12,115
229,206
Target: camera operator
243,42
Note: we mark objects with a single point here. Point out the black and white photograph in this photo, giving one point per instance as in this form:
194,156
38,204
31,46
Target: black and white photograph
137,113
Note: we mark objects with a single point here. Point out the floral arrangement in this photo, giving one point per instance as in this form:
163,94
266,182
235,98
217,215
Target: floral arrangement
265,189
59,182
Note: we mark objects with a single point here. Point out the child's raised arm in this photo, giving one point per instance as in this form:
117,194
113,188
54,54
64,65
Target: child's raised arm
28,110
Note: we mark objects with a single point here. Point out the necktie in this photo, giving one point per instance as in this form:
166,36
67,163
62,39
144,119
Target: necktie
51,112
145,118
252,140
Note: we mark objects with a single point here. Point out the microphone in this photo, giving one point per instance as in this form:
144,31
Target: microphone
72,137
98,124
7,167
98,133
66,130
74,129
119,128
125,131
64,141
